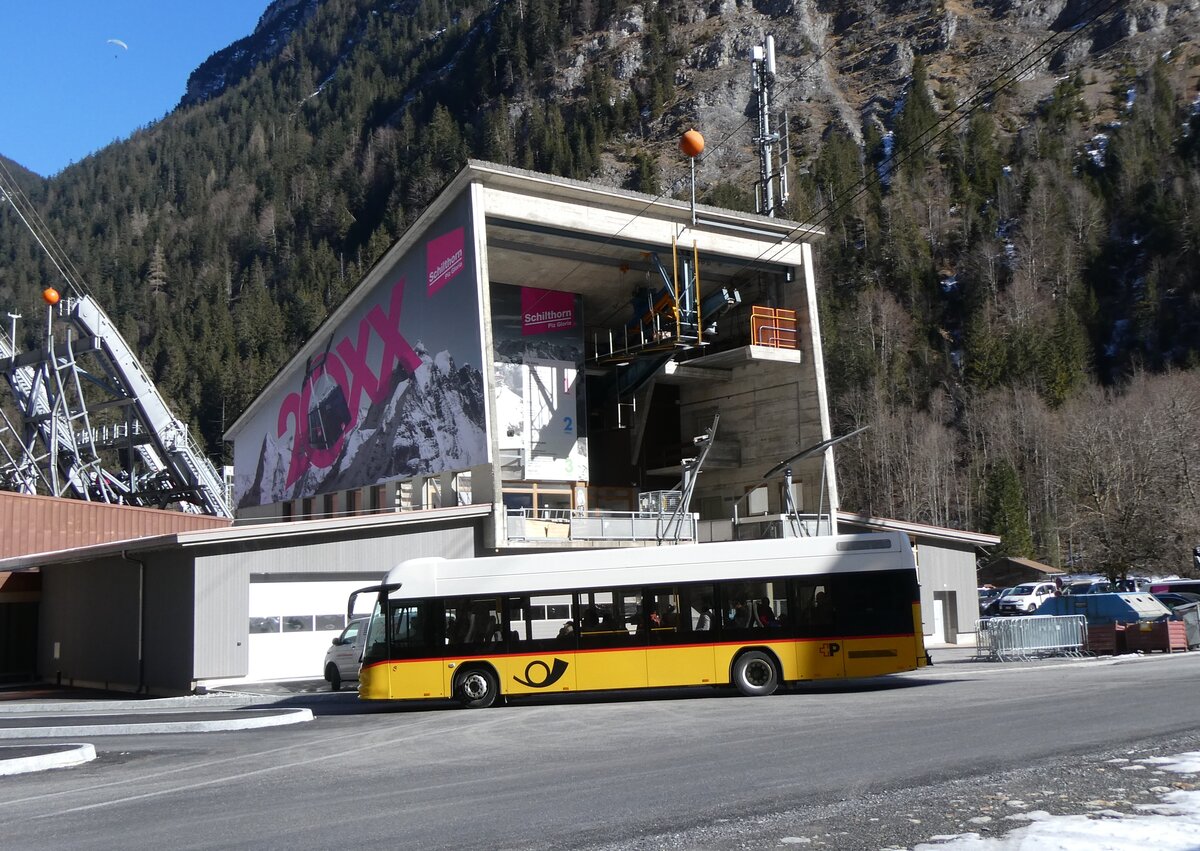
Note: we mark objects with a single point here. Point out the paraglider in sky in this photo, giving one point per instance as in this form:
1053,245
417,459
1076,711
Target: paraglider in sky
116,42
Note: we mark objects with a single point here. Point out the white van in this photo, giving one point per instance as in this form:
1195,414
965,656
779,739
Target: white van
344,655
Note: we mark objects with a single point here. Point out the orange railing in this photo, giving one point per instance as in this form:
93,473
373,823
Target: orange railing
773,326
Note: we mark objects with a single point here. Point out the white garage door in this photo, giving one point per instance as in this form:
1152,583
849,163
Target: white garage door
292,624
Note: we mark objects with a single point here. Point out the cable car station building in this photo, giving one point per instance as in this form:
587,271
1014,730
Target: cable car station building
554,349
537,363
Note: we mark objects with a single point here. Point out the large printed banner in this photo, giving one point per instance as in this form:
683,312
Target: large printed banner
538,358
395,392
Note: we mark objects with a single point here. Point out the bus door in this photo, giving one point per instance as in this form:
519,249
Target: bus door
820,652
680,636
415,657
874,612
612,639
540,645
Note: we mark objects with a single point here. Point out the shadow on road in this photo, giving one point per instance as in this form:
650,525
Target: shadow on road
347,703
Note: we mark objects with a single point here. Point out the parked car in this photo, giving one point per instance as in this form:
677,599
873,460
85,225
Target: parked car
345,653
1172,599
986,595
1025,598
1086,586
993,605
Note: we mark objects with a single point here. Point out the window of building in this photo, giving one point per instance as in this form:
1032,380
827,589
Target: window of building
540,500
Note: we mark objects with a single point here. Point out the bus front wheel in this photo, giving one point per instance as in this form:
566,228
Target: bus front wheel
478,688
754,674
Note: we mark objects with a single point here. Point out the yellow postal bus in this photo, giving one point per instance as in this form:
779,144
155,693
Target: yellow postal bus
752,614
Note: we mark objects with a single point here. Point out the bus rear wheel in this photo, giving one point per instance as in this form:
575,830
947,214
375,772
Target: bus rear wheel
755,675
477,688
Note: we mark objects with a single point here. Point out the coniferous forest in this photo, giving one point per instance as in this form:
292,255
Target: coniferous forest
1010,276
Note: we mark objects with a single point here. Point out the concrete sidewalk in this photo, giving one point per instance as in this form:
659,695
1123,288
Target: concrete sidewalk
38,711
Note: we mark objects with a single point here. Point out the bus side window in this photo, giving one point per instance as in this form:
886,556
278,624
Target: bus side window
413,625
551,612
518,623
737,602
456,622
816,607
881,606
662,610
484,621
698,614
596,609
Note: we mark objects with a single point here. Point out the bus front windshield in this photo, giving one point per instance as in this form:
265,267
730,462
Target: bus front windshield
375,649
399,629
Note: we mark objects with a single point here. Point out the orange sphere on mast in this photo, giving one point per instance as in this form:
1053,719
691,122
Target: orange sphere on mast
692,143
50,296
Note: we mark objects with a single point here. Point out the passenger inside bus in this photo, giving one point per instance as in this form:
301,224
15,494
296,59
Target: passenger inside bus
765,614
738,615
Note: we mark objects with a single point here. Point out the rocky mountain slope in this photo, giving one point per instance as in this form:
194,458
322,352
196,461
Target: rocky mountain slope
843,63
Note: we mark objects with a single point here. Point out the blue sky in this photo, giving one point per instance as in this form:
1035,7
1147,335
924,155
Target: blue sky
65,91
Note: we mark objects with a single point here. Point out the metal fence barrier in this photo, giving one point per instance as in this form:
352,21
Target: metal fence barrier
1030,636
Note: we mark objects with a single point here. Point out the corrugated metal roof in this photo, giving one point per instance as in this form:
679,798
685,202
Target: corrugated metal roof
920,529
244,533
30,524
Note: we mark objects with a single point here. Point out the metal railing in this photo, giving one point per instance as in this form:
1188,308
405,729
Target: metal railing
1029,637
526,524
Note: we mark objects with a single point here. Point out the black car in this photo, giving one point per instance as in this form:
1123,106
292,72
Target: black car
1171,599
992,608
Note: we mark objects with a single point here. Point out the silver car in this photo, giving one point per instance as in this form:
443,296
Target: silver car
345,653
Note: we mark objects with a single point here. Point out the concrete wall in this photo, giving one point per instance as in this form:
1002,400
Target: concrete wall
164,620
947,575
769,410
88,631
110,624
222,612
223,577
168,622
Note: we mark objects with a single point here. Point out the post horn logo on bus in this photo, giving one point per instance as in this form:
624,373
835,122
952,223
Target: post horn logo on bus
548,676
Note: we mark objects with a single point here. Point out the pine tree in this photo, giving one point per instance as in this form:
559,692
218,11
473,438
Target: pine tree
914,123
156,274
1005,512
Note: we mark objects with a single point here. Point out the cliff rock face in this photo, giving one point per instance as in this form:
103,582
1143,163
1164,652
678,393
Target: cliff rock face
839,61
227,67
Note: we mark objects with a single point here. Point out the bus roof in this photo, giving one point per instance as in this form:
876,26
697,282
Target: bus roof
636,566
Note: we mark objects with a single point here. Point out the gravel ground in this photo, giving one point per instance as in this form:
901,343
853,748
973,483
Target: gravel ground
1108,784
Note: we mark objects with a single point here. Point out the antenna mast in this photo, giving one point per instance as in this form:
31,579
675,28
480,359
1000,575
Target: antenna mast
771,190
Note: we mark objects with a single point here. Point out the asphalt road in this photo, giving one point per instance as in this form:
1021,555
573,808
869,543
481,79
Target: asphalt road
870,764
